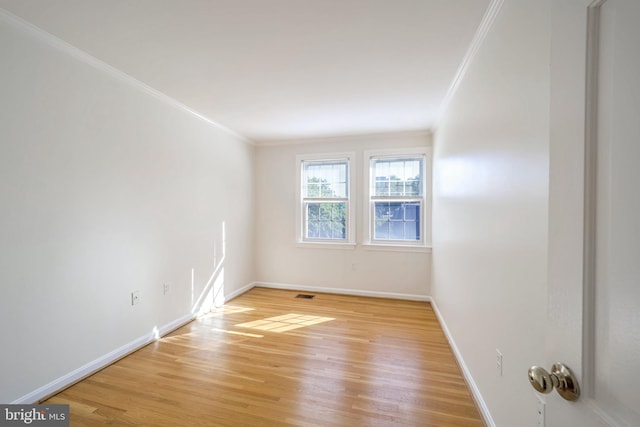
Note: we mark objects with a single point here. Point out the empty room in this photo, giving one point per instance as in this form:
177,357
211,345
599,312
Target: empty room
319,213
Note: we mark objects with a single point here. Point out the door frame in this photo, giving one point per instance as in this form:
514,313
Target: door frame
590,198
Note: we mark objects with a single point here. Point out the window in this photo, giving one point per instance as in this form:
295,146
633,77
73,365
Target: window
397,197
325,214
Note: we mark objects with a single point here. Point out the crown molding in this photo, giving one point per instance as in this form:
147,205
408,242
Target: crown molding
483,29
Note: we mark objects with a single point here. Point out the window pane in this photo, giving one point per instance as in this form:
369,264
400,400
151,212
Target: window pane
381,230
382,188
412,230
396,211
326,221
411,211
412,188
338,231
312,229
326,190
381,211
325,211
412,169
325,179
338,212
396,187
397,220
313,211
325,230
396,230
313,189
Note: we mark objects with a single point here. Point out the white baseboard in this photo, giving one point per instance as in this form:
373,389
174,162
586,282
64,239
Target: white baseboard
342,291
484,409
109,358
101,362
238,292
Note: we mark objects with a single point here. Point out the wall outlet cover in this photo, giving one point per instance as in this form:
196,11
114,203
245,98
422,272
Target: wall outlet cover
135,297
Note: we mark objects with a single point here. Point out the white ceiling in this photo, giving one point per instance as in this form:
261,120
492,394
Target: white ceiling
279,69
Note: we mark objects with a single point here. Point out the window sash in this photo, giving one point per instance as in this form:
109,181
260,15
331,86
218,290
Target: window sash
398,181
397,176
330,179
388,229
325,187
329,221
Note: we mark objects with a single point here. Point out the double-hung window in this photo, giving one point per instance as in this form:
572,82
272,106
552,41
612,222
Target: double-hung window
325,214
397,197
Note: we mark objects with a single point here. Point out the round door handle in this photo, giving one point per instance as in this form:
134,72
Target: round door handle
561,378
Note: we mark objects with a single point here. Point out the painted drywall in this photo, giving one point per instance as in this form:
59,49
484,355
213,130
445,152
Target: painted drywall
282,260
106,187
490,220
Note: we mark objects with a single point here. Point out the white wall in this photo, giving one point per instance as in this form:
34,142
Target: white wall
105,188
282,261
491,166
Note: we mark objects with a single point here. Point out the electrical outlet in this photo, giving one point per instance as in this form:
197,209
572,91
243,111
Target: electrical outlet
498,362
539,411
166,288
135,297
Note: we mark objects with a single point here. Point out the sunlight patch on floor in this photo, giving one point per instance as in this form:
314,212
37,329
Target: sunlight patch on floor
229,309
244,334
286,322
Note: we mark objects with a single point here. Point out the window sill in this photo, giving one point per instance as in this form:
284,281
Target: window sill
326,245
395,248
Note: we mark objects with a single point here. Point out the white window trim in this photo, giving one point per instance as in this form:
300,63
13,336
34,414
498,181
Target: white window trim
425,244
350,241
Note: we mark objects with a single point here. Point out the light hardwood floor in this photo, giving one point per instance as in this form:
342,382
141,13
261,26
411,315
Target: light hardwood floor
333,360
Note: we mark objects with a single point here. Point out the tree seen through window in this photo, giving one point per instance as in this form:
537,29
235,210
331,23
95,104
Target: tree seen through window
325,199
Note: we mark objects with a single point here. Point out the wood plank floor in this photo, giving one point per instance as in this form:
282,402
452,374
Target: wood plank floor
270,359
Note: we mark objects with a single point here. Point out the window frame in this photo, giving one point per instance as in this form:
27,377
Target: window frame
425,199
350,235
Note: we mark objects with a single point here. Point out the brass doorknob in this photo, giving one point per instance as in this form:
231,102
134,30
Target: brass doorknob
561,378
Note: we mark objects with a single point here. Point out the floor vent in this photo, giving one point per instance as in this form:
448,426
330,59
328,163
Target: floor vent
306,296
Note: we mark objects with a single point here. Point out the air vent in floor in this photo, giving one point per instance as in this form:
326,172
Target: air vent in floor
306,296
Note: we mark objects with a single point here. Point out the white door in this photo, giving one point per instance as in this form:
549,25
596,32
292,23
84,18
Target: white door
594,223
